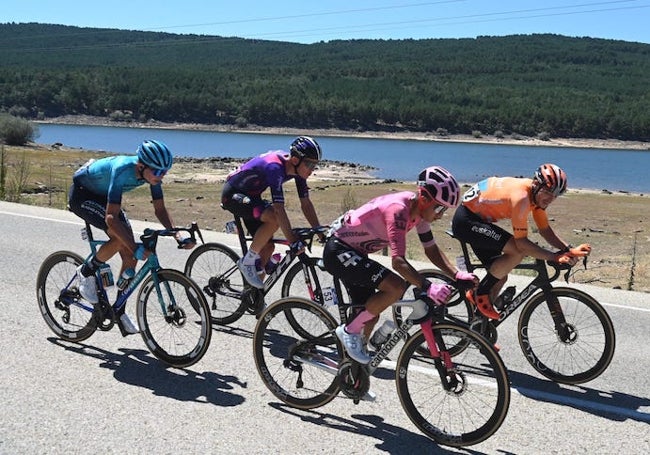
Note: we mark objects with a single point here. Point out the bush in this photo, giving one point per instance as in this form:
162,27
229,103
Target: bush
15,131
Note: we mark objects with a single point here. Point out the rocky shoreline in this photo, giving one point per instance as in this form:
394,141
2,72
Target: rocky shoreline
397,135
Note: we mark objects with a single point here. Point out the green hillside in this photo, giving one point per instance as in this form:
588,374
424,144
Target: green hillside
525,84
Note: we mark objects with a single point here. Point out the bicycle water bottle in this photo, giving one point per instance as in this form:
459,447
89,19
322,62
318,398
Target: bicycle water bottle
272,263
125,278
106,275
382,333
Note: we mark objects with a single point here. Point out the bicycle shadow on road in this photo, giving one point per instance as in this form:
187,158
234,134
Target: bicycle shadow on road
611,405
139,368
393,439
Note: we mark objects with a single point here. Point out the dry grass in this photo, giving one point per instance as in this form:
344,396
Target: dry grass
614,224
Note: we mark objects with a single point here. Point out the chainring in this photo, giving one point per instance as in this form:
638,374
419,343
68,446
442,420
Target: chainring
354,380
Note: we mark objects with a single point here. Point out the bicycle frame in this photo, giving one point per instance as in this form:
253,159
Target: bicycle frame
541,281
150,266
282,266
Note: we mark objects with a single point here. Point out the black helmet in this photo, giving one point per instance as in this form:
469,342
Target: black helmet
306,147
155,154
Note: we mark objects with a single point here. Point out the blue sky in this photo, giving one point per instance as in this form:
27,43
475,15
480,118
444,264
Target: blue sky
307,21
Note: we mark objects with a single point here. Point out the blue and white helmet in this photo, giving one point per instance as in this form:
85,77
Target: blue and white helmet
155,154
306,147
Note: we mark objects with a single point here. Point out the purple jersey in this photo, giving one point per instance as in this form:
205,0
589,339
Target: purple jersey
266,171
382,222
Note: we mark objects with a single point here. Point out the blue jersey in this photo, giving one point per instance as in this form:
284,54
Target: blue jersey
266,171
111,177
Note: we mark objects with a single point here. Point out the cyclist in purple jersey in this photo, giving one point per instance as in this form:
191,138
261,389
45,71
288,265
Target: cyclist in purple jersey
384,222
96,197
242,195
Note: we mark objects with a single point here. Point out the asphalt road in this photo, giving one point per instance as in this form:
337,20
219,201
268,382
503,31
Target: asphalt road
109,395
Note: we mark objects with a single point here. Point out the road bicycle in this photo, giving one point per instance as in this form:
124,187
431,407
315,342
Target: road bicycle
457,398
564,333
172,312
213,266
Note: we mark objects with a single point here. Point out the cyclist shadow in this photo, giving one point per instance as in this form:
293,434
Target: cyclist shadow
139,368
393,439
608,404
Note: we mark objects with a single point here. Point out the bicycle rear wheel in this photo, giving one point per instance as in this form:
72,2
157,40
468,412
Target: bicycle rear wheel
213,267
581,351
176,325
64,310
301,373
467,413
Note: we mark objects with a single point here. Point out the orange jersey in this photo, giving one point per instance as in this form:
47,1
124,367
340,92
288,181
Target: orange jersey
499,198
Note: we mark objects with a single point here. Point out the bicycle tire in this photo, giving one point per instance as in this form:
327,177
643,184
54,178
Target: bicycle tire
70,322
570,361
213,267
301,373
466,415
294,285
180,336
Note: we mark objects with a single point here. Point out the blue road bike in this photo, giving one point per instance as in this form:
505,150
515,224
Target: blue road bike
172,312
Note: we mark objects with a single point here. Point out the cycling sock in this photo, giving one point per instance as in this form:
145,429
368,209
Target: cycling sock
486,284
357,323
90,267
251,257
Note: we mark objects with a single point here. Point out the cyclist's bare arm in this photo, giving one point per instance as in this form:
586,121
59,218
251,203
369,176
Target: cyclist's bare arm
406,271
309,211
552,238
528,248
440,260
165,219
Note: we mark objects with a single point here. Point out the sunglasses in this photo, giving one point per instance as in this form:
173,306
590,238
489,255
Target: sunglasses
311,165
158,172
439,210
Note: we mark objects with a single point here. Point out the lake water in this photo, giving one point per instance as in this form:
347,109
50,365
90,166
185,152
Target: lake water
614,170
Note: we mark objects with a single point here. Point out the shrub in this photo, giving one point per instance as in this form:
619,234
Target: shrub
15,131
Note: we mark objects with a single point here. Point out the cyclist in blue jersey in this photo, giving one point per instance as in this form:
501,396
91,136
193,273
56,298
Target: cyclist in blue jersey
96,196
242,195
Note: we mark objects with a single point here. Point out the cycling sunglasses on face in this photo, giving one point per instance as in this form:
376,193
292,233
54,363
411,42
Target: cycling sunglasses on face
439,210
311,165
158,172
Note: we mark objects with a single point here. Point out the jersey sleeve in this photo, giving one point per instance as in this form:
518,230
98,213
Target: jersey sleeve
156,192
424,234
396,220
301,187
115,187
275,179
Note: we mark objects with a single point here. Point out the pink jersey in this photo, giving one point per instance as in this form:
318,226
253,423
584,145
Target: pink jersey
383,221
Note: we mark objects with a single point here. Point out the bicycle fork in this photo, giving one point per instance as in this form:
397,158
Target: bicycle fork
441,358
566,332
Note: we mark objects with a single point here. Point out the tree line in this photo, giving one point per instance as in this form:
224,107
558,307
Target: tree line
522,84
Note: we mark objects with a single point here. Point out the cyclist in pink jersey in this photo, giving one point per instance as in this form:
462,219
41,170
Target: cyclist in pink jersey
384,222
510,198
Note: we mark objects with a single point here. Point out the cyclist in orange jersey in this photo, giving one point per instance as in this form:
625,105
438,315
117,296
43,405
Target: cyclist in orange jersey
498,198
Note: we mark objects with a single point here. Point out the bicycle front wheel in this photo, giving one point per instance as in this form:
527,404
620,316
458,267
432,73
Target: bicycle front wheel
65,312
465,413
580,350
213,267
300,372
174,318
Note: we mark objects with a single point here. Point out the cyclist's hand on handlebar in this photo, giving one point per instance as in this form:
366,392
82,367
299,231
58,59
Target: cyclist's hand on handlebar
580,250
566,259
439,293
297,247
186,243
465,280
